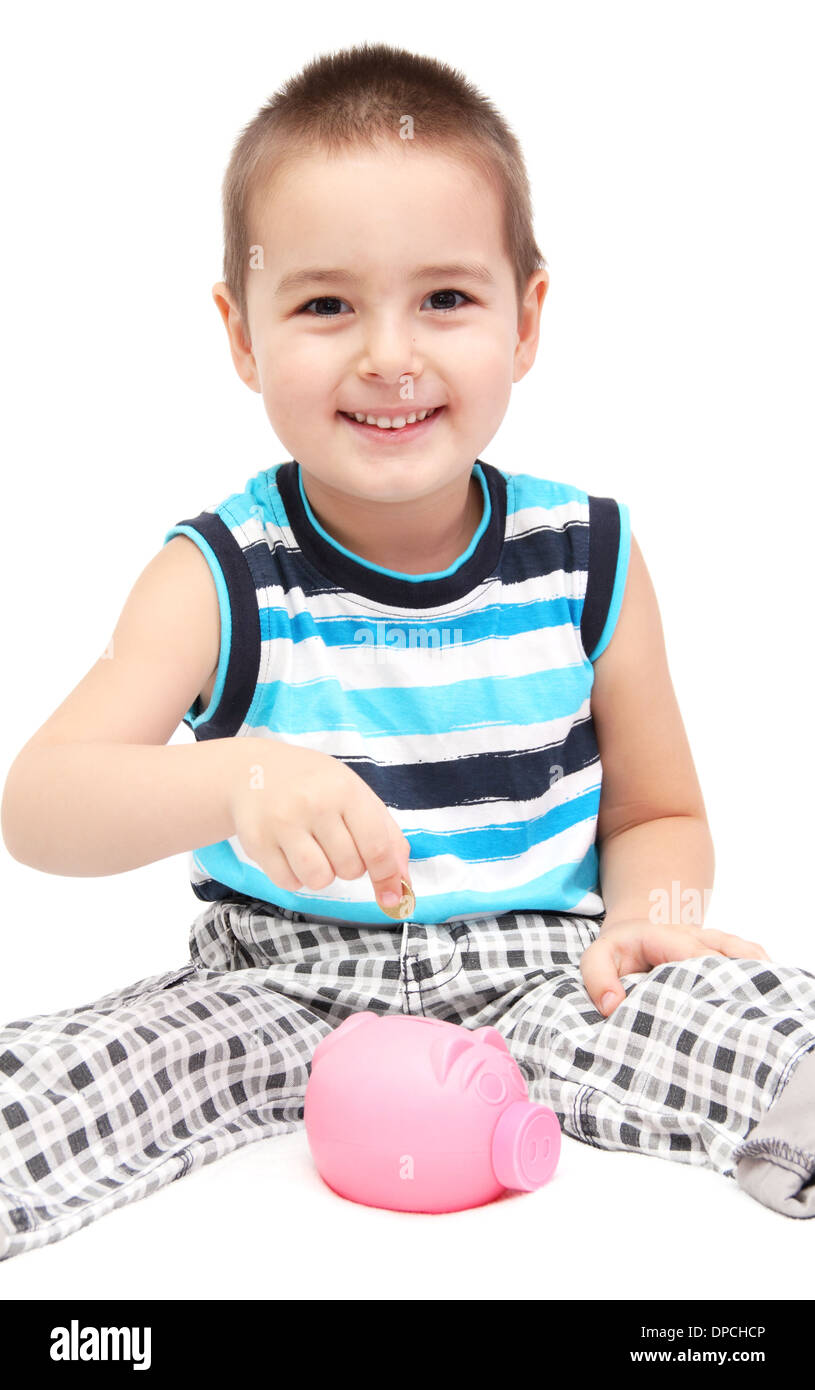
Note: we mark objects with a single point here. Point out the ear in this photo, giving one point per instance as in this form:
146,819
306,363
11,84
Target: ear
488,1034
240,344
529,321
445,1052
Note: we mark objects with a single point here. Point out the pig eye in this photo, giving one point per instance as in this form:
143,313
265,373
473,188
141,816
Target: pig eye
491,1087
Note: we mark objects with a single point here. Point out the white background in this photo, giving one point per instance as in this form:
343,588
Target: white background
669,152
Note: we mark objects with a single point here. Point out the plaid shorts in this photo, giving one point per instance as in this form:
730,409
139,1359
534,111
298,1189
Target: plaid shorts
103,1104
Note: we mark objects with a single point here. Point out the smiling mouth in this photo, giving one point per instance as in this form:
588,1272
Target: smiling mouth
415,422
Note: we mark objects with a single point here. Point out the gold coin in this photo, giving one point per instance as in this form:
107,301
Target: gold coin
405,905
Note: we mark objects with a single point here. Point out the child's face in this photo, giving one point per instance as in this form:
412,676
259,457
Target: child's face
322,347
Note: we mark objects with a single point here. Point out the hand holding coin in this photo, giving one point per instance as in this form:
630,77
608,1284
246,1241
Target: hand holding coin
405,905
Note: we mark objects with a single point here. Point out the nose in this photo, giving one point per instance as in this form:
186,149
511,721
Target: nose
525,1145
390,351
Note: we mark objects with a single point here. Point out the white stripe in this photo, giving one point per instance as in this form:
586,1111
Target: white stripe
446,873
529,520
375,664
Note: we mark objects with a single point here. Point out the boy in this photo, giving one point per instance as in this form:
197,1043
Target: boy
424,692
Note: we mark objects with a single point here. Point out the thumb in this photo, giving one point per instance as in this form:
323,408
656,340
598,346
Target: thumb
601,977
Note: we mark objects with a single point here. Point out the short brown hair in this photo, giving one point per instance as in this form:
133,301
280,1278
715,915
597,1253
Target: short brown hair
357,97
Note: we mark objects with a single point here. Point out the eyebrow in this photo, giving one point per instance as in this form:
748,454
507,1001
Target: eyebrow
469,270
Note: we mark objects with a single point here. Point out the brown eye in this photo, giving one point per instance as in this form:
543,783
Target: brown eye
324,299
447,294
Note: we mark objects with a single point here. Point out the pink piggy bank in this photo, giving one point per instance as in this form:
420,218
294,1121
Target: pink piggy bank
416,1114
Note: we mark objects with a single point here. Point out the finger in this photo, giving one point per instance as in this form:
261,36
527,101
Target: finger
607,959
736,945
277,869
663,945
306,858
383,848
337,844
600,967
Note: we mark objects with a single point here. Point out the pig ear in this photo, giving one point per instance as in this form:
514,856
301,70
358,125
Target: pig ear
491,1035
444,1052
341,1031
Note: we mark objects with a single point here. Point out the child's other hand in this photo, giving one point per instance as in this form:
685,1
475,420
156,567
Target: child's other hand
634,945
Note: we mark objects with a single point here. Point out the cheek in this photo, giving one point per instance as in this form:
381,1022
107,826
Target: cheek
293,380
495,353
481,362
478,367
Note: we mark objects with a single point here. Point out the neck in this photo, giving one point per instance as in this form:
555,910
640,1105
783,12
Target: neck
421,536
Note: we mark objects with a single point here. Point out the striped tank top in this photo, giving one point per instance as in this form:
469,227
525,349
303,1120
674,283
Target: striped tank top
462,698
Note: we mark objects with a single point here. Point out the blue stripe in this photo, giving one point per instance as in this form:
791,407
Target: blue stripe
497,622
559,890
525,490
323,704
509,840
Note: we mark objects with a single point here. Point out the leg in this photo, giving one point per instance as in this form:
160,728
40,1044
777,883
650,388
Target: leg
684,1068
103,1104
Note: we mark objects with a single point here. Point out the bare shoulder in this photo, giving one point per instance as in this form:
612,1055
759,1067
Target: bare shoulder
185,566
648,768
638,625
162,655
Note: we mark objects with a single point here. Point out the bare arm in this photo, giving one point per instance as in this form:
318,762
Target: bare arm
95,791
660,870
88,809
652,827
655,847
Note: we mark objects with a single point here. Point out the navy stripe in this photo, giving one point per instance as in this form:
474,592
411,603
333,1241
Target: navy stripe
383,588
604,545
212,891
483,777
531,556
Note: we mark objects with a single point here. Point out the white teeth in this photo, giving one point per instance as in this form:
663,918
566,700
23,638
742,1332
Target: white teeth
397,423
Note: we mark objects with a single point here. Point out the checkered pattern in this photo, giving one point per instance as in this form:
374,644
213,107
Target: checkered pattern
103,1104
